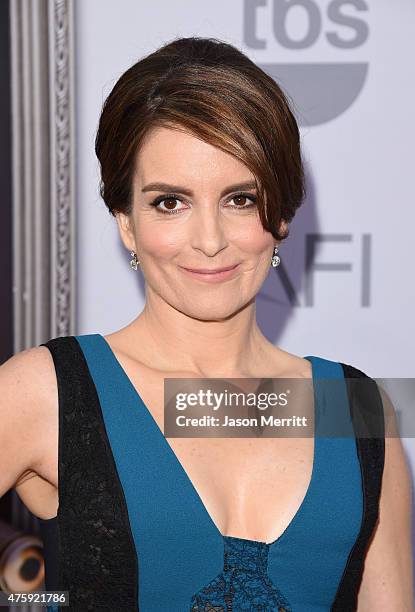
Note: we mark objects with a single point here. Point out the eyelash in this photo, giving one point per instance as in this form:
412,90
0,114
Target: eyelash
173,196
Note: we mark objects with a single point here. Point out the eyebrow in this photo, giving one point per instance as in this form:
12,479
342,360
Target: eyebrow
188,192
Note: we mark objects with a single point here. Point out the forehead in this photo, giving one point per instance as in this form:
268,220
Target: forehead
174,155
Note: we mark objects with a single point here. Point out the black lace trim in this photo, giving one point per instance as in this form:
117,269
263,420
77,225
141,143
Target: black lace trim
97,559
367,415
244,583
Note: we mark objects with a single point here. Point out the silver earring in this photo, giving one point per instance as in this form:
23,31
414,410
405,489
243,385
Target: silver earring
134,263
275,261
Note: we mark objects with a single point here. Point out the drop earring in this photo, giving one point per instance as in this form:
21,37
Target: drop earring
275,260
134,263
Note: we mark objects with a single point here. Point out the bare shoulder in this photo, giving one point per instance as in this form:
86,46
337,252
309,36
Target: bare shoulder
28,379
28,391
387,582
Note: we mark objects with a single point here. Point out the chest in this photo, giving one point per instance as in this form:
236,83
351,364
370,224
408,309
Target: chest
250,487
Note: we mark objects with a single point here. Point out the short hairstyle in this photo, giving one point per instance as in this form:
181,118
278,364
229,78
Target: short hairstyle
209,88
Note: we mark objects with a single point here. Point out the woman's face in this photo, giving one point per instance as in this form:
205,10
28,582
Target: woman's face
202,221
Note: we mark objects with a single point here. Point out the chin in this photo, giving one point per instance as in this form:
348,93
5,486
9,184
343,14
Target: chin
208,312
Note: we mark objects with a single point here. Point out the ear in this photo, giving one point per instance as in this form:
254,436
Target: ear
282,229
126,229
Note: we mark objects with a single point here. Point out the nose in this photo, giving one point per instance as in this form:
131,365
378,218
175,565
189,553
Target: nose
207,230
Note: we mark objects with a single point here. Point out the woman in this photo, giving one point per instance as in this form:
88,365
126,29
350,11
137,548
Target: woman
201,167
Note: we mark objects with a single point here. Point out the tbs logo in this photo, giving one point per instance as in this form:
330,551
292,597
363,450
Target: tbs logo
321,90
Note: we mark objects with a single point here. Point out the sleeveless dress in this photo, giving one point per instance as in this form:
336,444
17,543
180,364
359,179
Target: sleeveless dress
132,533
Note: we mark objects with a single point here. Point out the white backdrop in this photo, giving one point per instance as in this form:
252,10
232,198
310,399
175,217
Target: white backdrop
349,68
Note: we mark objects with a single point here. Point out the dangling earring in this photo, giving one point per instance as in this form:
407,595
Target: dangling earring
134,263
275,261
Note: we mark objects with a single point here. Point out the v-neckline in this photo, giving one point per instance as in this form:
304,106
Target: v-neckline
180,467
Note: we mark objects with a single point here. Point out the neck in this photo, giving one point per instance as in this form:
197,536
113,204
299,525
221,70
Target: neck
203,347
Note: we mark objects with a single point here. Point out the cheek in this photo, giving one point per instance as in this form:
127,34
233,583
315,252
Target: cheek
253,240
161,242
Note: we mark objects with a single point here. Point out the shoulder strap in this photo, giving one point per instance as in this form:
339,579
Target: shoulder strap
97,560
367,415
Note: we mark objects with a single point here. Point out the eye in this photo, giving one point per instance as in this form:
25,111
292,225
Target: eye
244,197
171,198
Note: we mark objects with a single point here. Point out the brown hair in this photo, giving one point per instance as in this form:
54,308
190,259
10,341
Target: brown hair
211,89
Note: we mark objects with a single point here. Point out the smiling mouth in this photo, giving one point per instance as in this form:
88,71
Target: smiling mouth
207,271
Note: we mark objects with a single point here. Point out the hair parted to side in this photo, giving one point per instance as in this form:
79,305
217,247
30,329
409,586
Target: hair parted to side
209,88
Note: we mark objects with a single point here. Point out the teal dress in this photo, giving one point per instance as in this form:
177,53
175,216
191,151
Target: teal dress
132,533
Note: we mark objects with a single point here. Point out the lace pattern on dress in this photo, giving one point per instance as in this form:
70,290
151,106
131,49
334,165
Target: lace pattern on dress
97,557
244,584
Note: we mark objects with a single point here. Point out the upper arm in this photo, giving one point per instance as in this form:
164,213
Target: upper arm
387,582
26,389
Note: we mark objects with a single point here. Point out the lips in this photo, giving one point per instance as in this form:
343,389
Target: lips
208,271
